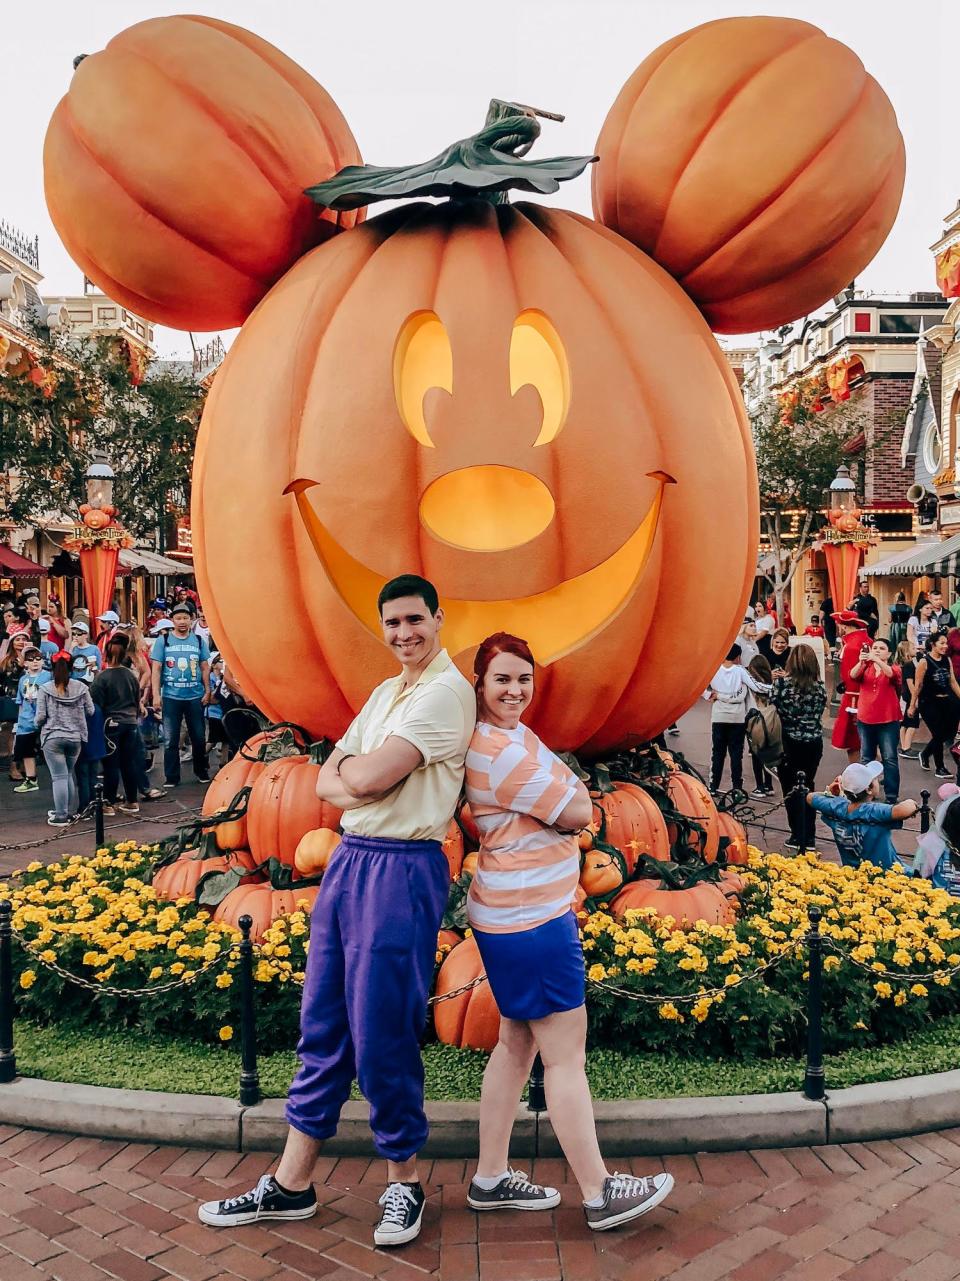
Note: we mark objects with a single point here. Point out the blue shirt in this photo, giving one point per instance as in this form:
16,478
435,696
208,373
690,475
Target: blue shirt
860,833
27,700
83,657
48,649
180,659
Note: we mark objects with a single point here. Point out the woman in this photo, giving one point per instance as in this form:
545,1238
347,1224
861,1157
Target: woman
528,807
937,696
138,660
63,706
728,693
765,622
116,691
774,648
59,627
899,616
759,669
921,625
11,669
908,675
800,697
878,712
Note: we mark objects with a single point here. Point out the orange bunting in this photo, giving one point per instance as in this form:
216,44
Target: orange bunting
948,271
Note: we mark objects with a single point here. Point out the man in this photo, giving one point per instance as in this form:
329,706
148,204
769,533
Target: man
854,645
941,617
865,606
181,688
826,618
397,774
108,625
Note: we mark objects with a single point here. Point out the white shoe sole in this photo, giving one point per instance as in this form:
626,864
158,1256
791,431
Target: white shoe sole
399,1238
544,1203
215,1220
638,1211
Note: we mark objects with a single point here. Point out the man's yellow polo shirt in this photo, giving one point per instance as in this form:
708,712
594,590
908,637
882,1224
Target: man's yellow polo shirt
437,715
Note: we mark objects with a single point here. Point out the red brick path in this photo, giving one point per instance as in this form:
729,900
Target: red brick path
87,1210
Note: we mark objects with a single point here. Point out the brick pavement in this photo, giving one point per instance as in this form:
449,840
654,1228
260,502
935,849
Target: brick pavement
88,1210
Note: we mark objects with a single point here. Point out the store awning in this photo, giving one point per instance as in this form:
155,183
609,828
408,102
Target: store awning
897,564
150,562
13,565
938,560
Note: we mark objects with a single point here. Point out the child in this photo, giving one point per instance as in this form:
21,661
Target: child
214,710
25,742
814,629
760,670
728,693
932,859
908,675
860,822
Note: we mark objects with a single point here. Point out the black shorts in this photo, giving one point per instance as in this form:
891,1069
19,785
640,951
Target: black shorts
25,745
215,731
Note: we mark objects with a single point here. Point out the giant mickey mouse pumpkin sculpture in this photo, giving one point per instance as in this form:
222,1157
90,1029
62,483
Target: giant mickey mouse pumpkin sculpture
515,401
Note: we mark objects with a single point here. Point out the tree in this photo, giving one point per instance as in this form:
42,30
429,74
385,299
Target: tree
798,452
74,396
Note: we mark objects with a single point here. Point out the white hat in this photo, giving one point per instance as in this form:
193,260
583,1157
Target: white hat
857,778
109,616
44,624
161,625
79,626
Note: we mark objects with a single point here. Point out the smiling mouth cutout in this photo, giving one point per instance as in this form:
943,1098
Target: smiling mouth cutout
553,622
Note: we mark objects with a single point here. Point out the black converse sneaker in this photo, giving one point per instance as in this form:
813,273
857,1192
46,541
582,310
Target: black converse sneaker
626,1197
402,1214
513,1192
265,1201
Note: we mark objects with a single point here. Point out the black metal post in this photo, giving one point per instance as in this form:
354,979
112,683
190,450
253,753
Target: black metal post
536,1096
98,814
801,786
249,1076
8,1060
813,1081
924,811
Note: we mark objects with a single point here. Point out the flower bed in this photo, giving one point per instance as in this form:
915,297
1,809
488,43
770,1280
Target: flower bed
97,917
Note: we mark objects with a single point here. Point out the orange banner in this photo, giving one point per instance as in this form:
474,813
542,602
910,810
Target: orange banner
948,272
98,565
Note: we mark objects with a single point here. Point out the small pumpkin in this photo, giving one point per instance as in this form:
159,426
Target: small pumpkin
694,801
602,872
264,905
469,865
472,1019
736,853
314,851
96,519
701,902
175,165
453,848
469,825
179,879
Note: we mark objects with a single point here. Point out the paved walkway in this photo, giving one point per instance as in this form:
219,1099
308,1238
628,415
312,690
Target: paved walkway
88,1210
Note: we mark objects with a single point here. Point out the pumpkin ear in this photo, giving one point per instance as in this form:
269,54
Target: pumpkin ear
758,162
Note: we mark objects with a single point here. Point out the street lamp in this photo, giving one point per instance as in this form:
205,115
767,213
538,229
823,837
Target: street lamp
845,539
843,492
99,480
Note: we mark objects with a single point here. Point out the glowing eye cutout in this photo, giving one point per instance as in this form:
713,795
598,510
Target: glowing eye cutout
537,357
422,359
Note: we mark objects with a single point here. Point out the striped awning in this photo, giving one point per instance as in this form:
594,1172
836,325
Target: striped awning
940,560
898,563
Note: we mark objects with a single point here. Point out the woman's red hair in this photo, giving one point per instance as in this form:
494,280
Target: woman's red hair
499,643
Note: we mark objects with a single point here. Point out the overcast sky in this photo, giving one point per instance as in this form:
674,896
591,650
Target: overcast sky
413,77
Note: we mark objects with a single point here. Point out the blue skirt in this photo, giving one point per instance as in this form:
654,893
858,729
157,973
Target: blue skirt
533,973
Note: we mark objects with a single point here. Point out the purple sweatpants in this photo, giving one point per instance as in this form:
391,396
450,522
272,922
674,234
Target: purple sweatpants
373,943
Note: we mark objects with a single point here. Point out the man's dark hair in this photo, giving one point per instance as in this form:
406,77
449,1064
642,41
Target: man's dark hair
409,585
733,653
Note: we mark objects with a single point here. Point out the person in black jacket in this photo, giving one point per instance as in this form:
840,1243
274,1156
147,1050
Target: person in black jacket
116,691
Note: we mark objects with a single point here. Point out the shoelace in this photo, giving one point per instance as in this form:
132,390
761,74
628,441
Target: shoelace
520,1180
395,1201
253,1197
623,1185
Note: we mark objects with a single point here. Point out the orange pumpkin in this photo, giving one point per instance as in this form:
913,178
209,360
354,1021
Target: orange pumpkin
439,312
179,879
694,801
468,824
601,873
758,162
453,848
314,851
469,865
731,884
239,772
634,824
96,519
264,905
284,806
472,1019
702,902
174,169
736,851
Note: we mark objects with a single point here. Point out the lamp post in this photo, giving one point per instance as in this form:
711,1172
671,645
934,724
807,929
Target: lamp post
98,537
844,540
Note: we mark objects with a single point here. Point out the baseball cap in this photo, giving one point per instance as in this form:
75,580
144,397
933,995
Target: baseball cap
161,625
44,625
182,607
79,626
857,778
109,616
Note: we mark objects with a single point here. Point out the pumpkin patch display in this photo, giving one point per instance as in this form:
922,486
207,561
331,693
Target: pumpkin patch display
175,165
758,162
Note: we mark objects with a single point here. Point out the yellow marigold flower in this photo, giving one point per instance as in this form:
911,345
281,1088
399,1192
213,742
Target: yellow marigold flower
34,866
28,977
701,1009
226,1032
882,989
831,963
900,998
668,1011
633,966
731,980
224,980
155,973
919,990
596,973
48,955
177,968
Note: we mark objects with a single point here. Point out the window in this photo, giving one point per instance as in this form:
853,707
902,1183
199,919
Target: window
862,322
836,333
893,322
932,449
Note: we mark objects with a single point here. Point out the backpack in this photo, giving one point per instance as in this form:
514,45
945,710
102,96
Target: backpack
764,734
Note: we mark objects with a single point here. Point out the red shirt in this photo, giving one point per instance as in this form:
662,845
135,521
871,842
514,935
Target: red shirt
813,631
879,695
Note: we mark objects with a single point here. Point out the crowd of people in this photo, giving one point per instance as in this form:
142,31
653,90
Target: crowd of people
91,698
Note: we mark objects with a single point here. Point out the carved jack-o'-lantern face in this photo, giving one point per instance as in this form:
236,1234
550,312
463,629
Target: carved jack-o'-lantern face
515,404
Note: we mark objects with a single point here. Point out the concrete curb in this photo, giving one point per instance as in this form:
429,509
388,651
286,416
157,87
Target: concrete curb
628,1127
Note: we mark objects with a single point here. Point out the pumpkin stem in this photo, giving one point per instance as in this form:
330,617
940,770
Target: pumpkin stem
486,166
